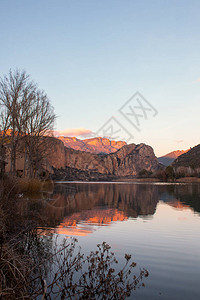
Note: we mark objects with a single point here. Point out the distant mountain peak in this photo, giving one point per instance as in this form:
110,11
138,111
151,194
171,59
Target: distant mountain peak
169,158
94,145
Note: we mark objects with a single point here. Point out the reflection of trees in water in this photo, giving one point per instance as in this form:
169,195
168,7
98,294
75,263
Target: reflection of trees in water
134,200
190,195
186,194
130,200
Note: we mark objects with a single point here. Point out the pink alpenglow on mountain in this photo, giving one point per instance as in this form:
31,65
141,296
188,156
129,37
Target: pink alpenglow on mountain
93,145
168,159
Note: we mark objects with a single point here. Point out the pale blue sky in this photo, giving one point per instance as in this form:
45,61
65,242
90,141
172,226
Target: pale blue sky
91,56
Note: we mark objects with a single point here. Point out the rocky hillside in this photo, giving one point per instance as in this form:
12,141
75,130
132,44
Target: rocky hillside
94,145
168,159
68,164
127,161
189,159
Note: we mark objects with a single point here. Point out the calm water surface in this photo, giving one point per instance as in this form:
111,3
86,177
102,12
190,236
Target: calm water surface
159,224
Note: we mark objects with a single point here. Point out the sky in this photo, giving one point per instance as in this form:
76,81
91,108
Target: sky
91,57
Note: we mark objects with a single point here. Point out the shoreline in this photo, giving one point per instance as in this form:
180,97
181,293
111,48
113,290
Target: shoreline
134,180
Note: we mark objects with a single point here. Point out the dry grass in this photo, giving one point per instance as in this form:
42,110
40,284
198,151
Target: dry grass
14,272
34,186
8,192
188,179
13,267
25,258
138,180
48,186
2,221
31,186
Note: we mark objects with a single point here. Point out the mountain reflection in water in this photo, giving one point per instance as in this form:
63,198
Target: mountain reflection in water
89,206
156,223
89,219
78,209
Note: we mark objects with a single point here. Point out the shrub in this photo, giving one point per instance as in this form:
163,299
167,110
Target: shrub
144,173
27,255
170,173
93,277
161,175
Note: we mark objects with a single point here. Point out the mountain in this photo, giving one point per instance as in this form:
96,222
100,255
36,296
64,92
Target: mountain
93,145
65,163
168,159
73,164
188,164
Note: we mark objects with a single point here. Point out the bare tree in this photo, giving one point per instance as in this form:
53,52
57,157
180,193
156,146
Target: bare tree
27,112
4,125
37,128
16,93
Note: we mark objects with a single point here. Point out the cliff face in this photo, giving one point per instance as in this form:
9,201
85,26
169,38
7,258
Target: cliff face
127,161
131,159
94,145
56,157
69,164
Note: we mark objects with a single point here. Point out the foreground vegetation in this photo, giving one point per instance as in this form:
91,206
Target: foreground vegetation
33,265
26,118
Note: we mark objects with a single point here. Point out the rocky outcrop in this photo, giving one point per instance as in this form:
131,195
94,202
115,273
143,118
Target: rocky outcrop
52,152
131,159
95,145
56,157
127,161
68,164
73,174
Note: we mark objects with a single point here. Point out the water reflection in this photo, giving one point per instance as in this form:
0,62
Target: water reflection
183,196
84,222
167,245
77,209
87,206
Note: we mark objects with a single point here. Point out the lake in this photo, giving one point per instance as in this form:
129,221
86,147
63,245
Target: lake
157,223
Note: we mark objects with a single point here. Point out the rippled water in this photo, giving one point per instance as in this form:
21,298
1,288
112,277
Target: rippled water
158,224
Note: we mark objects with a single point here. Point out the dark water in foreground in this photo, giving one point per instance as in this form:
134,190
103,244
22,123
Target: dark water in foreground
158,224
